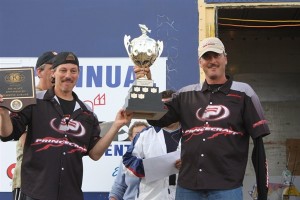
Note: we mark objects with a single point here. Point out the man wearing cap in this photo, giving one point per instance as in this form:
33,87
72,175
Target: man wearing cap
43,71
61,130
218,118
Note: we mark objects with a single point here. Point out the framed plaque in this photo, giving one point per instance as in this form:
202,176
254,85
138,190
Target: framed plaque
17,86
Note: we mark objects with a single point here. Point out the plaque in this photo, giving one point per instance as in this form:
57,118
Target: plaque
144,99
17,86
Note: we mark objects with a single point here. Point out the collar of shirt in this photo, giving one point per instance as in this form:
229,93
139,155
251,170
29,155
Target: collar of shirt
224,88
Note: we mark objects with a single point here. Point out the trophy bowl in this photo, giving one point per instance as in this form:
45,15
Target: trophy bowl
144,99
143,50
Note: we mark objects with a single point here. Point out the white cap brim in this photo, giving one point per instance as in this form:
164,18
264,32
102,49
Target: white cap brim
216,50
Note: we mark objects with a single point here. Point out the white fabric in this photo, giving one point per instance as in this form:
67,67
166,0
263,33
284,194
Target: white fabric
151,144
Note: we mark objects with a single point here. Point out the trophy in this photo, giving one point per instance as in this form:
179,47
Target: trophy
144,99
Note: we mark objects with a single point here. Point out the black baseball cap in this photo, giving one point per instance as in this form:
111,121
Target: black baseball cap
45,58
63,58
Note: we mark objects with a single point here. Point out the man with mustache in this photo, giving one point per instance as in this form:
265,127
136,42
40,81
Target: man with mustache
61,130
218,118
43,70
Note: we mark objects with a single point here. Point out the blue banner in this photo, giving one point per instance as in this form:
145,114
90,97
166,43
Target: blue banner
249,1
96,29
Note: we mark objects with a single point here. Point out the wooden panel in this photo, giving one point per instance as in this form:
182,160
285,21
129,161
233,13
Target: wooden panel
293,155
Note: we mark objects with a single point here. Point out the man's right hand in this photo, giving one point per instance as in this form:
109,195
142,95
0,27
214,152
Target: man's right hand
3,110
5,122
141,72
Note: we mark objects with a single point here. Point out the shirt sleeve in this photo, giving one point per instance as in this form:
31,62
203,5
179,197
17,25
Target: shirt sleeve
19,122
133,158
95,137
119,187
171,116
254,119
261,168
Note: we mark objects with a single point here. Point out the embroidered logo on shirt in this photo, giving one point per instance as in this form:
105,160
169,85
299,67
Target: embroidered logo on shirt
217,131
58,142
213,113
68,126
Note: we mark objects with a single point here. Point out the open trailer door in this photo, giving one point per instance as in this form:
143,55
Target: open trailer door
263,47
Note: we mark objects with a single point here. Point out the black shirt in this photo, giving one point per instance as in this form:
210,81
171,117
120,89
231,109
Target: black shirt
55,144
216,127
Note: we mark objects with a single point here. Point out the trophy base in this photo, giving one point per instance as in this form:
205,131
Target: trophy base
143,82
145,103
144,115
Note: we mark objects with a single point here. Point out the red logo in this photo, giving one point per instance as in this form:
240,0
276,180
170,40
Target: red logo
213,113
10,170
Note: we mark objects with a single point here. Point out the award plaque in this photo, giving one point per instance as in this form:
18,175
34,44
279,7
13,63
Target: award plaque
144,99
17,86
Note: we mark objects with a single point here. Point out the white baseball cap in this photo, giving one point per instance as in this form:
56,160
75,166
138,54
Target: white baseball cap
210,44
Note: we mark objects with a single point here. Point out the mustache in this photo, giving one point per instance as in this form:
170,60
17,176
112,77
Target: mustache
67,79
212,65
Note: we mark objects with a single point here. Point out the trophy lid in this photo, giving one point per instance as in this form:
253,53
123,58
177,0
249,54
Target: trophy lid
144,29
144,44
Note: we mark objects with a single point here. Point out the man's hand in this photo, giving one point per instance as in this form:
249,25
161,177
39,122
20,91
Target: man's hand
178,164
2,109
141,72
122,118
6,127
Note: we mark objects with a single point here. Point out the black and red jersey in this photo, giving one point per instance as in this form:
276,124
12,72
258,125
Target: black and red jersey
217,124
52,162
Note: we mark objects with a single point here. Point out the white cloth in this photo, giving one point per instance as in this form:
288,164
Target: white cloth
151,144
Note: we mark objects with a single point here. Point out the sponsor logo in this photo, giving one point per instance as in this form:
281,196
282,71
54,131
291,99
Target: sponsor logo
14,77
58,142
213,113
10,170
261,122
217,131
68,126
